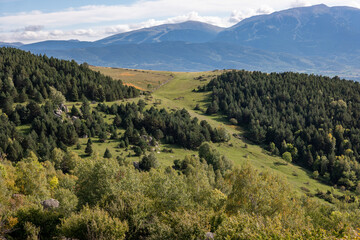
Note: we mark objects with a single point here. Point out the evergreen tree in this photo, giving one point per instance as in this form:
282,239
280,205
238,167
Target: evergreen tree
138,151
7,105
107,153
148,162
88,149
85,110
74,111
117,121
102,136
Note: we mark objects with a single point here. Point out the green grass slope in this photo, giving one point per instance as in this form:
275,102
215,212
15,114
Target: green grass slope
177,94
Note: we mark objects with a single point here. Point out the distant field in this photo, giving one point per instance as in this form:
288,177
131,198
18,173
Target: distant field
142,79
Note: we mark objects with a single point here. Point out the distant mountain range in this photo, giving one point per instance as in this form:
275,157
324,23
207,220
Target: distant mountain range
317,39
315,30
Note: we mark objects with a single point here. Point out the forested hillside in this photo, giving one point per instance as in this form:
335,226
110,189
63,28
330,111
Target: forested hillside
52,125
311,120
42,85
25,76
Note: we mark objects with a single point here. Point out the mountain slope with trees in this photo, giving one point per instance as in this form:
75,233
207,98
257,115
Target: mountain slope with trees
52,125
26,76
312,119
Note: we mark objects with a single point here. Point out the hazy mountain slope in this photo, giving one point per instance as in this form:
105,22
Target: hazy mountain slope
57,45
180,56
190,31
12,44
315,30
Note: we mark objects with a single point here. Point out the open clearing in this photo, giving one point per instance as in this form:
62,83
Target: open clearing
142,79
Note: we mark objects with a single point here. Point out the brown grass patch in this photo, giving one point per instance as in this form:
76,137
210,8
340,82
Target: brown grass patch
132,85
127,74
141,79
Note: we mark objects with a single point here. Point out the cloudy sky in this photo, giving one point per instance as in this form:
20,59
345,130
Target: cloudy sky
37,20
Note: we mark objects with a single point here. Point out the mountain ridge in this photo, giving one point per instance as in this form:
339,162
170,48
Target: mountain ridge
324,40
316,30
168,32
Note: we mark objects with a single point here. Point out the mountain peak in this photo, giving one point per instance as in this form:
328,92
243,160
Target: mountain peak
189,31
320,6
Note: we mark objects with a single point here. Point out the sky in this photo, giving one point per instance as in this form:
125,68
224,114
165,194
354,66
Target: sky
30,21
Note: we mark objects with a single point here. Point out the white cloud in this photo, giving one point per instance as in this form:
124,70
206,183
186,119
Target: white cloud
300,3
94,22
36,33
30,28
236,15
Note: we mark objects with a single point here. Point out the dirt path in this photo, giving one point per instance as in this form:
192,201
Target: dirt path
162,84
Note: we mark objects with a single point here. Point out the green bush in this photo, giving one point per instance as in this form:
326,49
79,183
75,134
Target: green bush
287,156
43,222
93,224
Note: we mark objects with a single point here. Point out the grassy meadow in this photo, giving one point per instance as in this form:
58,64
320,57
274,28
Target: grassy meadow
178,93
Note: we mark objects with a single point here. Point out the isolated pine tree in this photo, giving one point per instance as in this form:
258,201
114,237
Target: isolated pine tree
88,149
107,153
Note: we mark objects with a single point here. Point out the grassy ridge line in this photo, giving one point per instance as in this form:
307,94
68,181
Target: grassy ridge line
177,94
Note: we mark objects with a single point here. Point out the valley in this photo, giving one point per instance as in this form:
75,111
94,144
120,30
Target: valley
178,94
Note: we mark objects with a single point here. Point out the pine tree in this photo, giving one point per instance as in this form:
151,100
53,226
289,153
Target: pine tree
8,105
75,111
88,149
102,136
148,162
85,109
138,151
22,96
114,134
107,153
117,121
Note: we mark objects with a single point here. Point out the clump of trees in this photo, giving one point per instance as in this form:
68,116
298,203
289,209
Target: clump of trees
310,120
171,127
47,130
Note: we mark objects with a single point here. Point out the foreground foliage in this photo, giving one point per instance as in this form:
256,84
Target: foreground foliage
106,199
